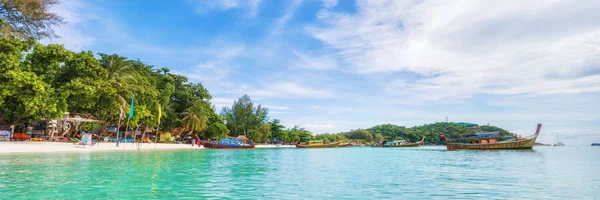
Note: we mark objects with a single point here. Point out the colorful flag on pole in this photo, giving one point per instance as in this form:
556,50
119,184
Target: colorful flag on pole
159,113
121,113
131,108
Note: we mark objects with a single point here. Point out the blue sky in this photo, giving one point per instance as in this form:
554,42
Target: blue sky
332,66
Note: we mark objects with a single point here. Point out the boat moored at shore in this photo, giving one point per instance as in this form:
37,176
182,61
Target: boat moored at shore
318,144
489,141
226,143
404,143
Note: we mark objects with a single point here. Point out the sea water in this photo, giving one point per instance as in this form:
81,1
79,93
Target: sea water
338,173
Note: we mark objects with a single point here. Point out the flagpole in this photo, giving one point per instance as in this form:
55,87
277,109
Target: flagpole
118,127
125,138
157,127
156,137
129,117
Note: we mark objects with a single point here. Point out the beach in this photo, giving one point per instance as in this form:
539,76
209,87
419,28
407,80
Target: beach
51,147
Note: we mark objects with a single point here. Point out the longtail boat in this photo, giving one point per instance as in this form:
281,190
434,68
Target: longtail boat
226,143
318,144
492,143
403,143
346,145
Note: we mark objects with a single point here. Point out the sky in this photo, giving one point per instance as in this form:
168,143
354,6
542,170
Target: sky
332,66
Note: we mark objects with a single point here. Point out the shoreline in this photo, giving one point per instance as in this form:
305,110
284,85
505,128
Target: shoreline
61,147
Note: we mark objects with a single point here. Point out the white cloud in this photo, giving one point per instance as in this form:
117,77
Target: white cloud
220,103
329,3
205,6
218,60
279,112
254,7
77,15
463,48
271,107
314,62
318,126
289,90
281,22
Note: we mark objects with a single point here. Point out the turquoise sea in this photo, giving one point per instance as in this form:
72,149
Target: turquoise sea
341,173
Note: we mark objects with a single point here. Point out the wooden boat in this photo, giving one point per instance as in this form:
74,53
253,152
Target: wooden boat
403,143
318,144
518,143
226,143
346,145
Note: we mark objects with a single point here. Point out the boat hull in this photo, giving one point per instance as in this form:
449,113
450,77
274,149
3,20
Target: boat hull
416,144
518,144
214,145
332,145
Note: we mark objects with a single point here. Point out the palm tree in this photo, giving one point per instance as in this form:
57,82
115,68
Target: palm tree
121,73
195,118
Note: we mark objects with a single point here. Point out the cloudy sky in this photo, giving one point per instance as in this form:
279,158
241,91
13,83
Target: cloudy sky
331,65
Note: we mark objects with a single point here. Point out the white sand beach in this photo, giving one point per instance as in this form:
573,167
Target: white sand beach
50,147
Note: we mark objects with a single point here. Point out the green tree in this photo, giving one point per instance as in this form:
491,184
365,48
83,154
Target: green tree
195,118
86,87
360,134
216,127
28,18
24,96
379,137
216,130
261,134
277,130
243,117
181,96
45,61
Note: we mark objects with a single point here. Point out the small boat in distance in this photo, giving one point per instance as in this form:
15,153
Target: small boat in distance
227,143
404,143
489,141
346,145
595,144
318,144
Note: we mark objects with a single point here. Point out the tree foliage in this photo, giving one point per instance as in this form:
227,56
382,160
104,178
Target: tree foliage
44,81
195,118
28,18
243,118
24,96
359,134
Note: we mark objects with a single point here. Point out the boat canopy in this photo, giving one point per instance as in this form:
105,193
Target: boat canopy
398,141
228,140
487,134
315,142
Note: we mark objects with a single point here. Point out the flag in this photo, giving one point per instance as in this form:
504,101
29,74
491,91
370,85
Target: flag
159,113
131,108
121,113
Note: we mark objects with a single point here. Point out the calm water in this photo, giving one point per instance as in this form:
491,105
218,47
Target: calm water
346,173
